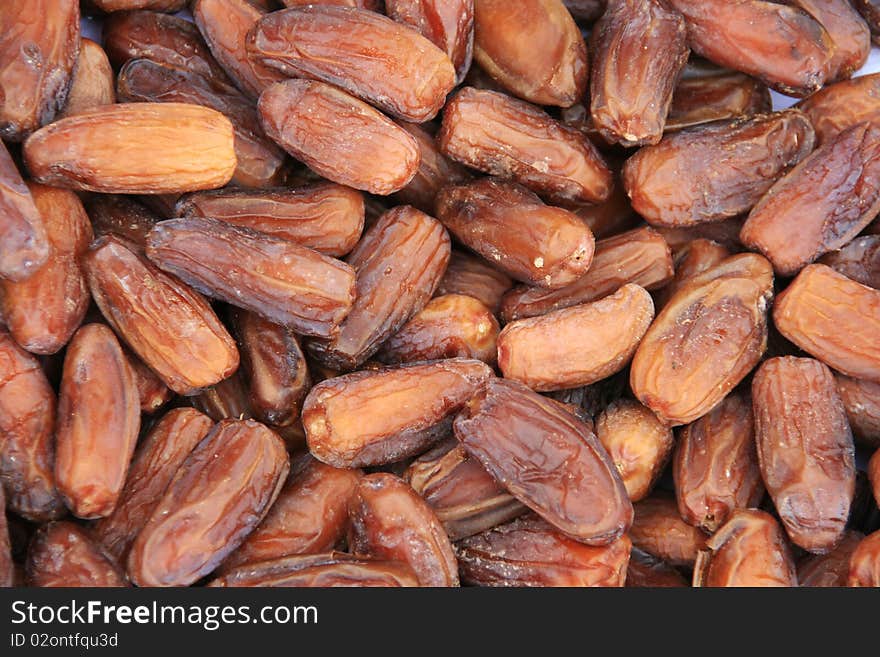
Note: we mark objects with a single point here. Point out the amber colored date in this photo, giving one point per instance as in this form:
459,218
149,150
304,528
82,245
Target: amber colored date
399,263
748,550
92,81
861,399
530,552
152,392
380,61
723,95
474,277
659,530
647,571
715,465
864,564
707,338
123,216
389,521
692,259
43,311
639,49
27,441
546,458
62,554
611,217
226,400
504,45
637,442
39,43
640,257
310,515
830,569
858,260
716,171
848,32
834,319
24,243
506,137
839,106
170,327
576,346
383,416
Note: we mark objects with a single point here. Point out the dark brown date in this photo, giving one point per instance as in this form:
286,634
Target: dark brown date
647,571
659,530
24,243
870,11
858,260
123,216
474,277
61,554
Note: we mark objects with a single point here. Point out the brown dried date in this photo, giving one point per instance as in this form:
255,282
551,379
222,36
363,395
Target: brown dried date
546,458
715,465
280,280
659,530
348,419
640,257
152,392
39,44
389,521
834,319
864,564
858,260
611,217
380,61
805,449
639,48
506,137
43,311
123,216
861,399
645,570
24,244
61,554
338,136
399,263
830,569
839,106
170,327
474,277
92,81
870,11
691,260
219,494
726,233
504,38
715,171
576,346
98,422
7,567
225,400
748,550
707,338
849,34
530,552
724,95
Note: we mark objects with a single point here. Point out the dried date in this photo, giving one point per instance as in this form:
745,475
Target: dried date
659,530
92,81
839,106
24,244
474,277
858,260
861,399
61,554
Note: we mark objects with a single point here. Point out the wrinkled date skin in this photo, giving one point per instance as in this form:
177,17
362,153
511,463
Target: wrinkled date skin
449,326
466,499
39,44
310,515
830,569
474,277
839,106
576,346
716,171
637,442
320,570
7,567
169,147
170,327
259,160
858,260
693,259
715,465
390,521
530,552
805,449
504,46
448,24
861,399
725,95
641,257
748,550
782,46
659,530
219,494
24,243
848,32
326,217
864,564
639,48
399,263
380,61
92,83
834,319
98,422
508,225
43,311
707,338
62,554
647,571
376,417
155,463
821,204
280,280
338,136
123,216
546,458
506,137
27,441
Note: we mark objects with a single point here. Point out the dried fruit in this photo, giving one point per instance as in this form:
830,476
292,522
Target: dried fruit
861,399
691,260
645,570
152,392
24,244
659,530
611,217
124,5
870,11
858,260
721,95
92,81
123,216
474,277
7,567
849,34
62,554
839,106
830,569
864,564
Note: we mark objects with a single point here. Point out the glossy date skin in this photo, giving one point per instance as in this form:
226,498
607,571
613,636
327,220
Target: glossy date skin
472,276
219,494
92,81
376,417
380,61
646,571
546,458
639,49
225,400
724,95
805,449
858,260
531,552
864,565
506,137
830,569
170,327
24,243
861,399
749,550
839,106
834,319
847,30
692,259
716,171
390,521
659,530
62,554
